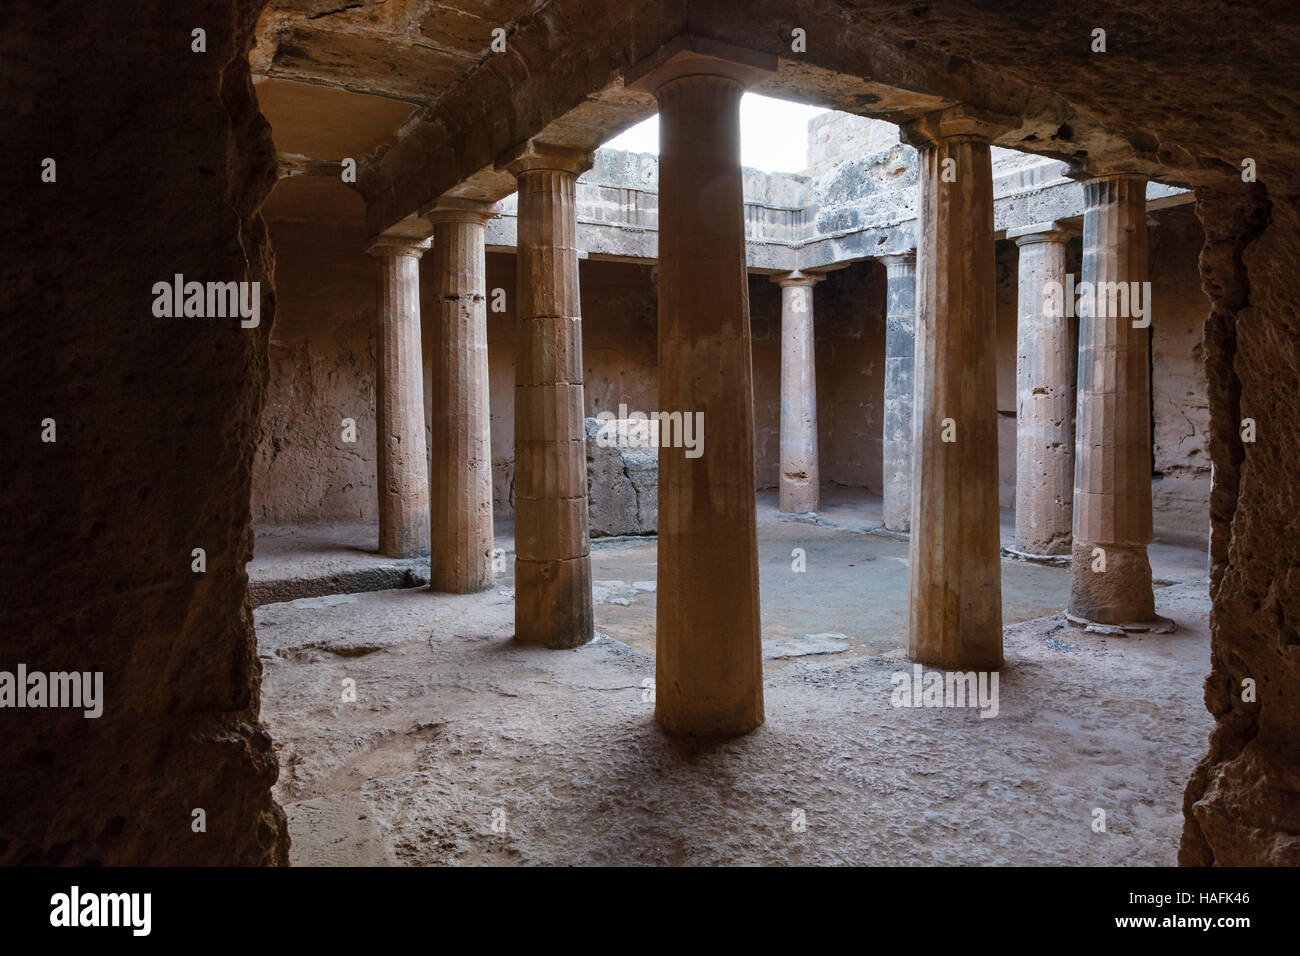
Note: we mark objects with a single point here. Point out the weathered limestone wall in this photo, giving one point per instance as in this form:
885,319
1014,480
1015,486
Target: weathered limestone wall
162,165
851,375
322,370
1242,805
765,340
834,137
1180,497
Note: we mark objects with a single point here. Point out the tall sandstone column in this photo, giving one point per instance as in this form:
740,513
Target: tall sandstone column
401,466
460,478
709,669
955,614
1110,576
552,548
900,358
1045,368
800,479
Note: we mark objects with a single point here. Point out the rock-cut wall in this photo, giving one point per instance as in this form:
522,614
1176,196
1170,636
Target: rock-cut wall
161,165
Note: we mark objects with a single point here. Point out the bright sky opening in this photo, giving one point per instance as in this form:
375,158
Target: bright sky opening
773,134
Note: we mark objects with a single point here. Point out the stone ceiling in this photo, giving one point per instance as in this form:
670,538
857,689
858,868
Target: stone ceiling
413,89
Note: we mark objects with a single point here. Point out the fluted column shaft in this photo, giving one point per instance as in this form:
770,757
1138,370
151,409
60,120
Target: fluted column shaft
552,549
900,359
460,479
955,618
1045,370
401,466
800,477
709,672
1112,469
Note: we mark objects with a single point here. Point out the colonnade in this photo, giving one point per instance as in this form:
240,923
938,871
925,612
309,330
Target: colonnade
1082,491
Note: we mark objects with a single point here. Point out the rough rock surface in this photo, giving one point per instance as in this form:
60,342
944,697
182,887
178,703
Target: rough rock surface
622,481
162,165
464,747
1243,802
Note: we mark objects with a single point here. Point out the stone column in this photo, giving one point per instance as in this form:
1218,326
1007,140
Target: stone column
1045,369
900,356
401,466
800,480
955,598
1110,577
460,476
709,669
552,548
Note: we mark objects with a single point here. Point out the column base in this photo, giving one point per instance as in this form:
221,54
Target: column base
962,663
1159,625
558,611
708,724
411,543
1110,585
459,587
399,554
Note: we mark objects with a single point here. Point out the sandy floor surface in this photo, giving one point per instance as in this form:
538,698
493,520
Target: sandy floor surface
462,747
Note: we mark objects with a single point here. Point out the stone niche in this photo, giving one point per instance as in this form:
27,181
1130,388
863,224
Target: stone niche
622,478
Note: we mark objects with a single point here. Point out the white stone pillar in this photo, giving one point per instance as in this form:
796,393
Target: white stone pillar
709,668
552,546
1046,345
800,478
460,479
900,359
956,584
401,466
1110,576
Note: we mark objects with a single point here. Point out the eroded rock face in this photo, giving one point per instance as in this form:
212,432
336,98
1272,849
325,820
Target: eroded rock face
162,162
622,481
1243,802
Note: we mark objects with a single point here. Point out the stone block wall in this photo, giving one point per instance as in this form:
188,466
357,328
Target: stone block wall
622,479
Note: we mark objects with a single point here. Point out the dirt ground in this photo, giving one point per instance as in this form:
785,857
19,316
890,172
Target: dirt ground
463,747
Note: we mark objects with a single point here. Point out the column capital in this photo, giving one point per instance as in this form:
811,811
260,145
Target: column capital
1117,176
688,54
804,279
899,260
1116,169
954,122
1043,232
388,246
534,155
457,209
